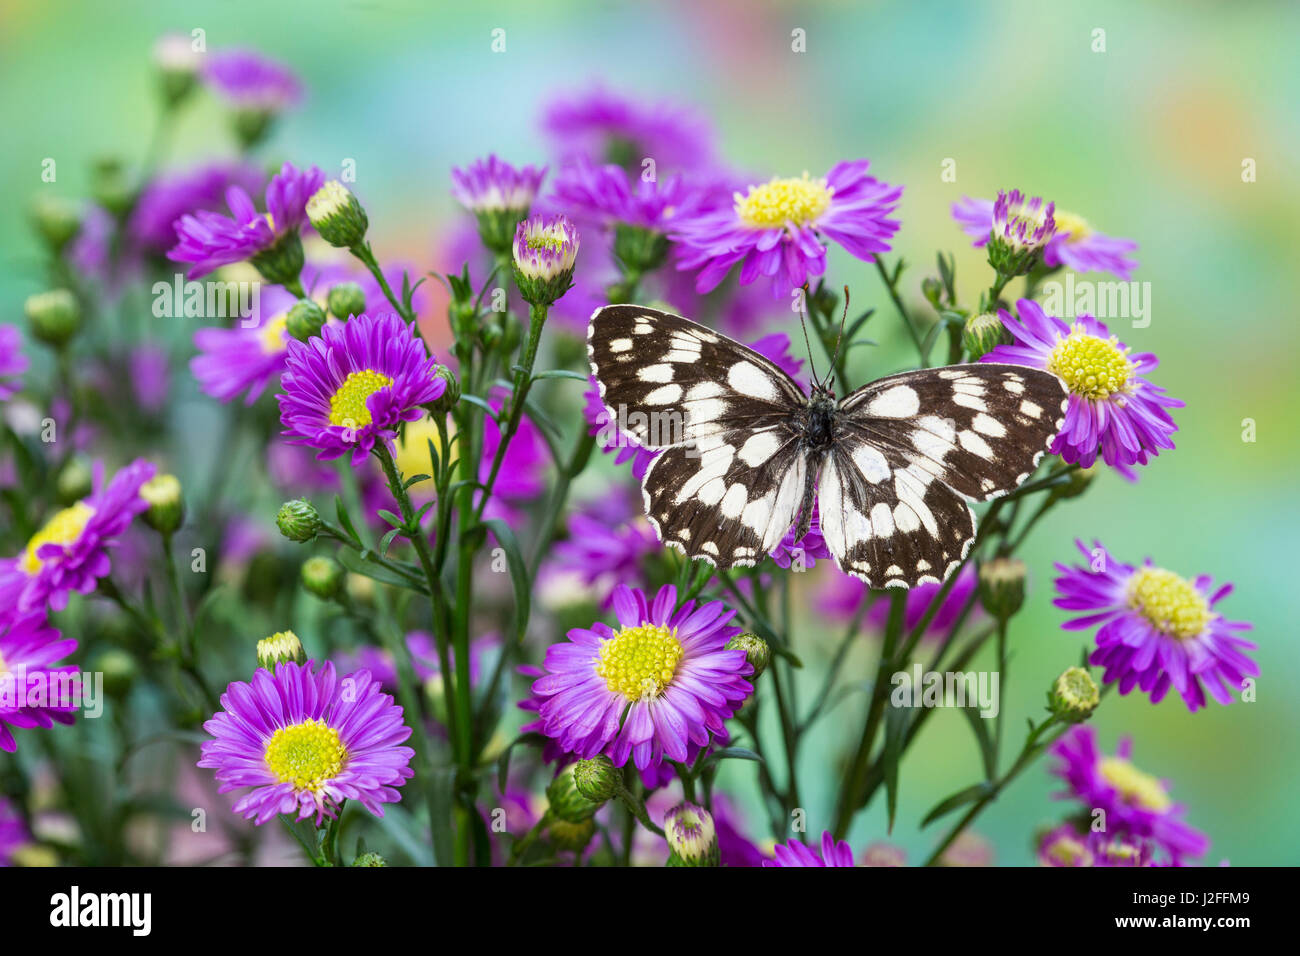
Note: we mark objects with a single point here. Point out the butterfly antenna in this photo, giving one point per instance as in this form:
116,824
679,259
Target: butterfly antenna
839,339
808,343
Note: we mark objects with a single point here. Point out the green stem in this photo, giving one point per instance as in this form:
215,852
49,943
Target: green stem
891,285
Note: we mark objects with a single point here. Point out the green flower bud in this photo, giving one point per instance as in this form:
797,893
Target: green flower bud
75,481
281,263
251,125
119,669
932,289
1002,586
111,186
54,316
304,320
445,402
278,648
298,520
56,220
567,803
545,252
597,779
640,250
756,652
337,216
178,68
323,577
692,837
983,333
1078,482
166,505
567,835
1074,695
345,300
370,859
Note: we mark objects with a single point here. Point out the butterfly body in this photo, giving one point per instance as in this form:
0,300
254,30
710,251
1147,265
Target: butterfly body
746,452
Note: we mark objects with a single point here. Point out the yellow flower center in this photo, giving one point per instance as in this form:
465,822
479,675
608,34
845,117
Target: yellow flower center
306,755
781,201
639,662
1091,366
1069,851
348,405
1068,224
272,335
1171,603
413,451
544,241
64,528
1135,786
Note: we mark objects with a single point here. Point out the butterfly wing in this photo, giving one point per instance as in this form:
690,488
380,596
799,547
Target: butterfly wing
913,448
728,485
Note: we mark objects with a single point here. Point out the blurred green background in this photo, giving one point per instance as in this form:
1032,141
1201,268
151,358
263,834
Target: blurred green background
1146,140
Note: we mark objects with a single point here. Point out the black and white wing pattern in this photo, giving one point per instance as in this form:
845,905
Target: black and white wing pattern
728,485
913,449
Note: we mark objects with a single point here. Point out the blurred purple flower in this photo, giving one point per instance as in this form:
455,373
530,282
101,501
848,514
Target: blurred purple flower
12,361
168,197
248,80
604,127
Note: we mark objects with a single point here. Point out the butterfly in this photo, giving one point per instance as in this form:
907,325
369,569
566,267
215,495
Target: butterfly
745,451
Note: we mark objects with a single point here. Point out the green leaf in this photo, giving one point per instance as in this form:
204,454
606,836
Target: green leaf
732,753
387,540
988,750
518,571
503,762
958,799
345,522
371,569
488,410
559,373
393,520
896,722
415,479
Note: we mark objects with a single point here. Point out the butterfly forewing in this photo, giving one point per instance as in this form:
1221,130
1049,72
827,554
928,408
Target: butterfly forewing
911,448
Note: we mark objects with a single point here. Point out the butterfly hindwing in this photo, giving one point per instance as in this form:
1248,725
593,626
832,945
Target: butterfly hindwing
979,428
667,380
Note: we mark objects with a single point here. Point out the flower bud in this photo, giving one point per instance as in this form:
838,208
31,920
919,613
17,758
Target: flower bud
345,300
323,577
278,648
119,669
692,837
445,402
567,803
572,836
597,779
298,520
1002,586
57,220
54,316
178,67
1064,847
370,859
166,505
1077,483
337,216
756,652
640,250
982,334
111,186
251,125
1074,696
932,289
281,262
304,320
1022,226
75,481
545,251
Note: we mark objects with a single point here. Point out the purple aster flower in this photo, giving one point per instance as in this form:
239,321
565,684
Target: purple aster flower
12,361
1113,408
30,650
606,195
795,853
1022,223
1136,804
604,127
167,198
663,681
70,553
1075,243
1157,629
602,554
13,832
1064,846
306,741
355,383
493,185
249,81
210,240
806,550
150,372
778,230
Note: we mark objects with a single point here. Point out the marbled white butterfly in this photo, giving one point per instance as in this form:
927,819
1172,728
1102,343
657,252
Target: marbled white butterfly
893,464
